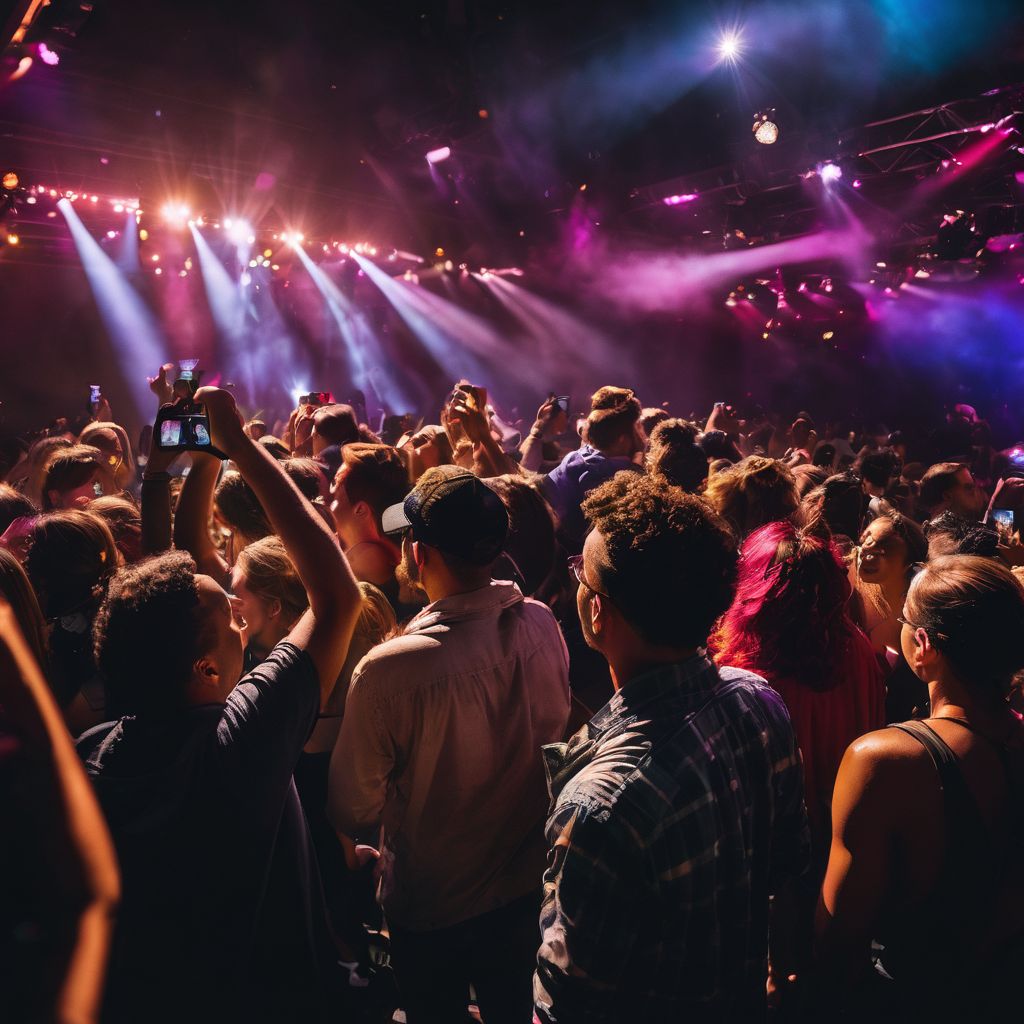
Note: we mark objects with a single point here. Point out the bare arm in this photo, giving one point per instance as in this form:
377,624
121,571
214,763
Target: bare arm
325,631
156,502
192,521
867,794
71,838
551,419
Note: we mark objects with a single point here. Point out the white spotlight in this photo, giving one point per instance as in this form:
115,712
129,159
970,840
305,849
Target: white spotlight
435,156
830,172
729,46
239,231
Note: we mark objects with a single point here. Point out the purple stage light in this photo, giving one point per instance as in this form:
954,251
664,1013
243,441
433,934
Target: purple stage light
435,156
829,172
678,200
48,56
857,183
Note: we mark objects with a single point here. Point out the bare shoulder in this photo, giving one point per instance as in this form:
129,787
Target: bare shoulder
884,761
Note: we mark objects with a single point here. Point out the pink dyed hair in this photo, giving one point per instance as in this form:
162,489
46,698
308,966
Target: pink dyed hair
789,618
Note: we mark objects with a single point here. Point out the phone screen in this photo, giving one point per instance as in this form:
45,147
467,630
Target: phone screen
201,432
1002,518
170,433
562,401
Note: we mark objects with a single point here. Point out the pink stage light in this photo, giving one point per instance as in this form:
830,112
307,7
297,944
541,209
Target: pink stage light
856,183
48,56
830,172
435,156
678,200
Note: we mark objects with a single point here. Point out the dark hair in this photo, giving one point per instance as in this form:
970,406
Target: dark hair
307,476
972,609
650,418
16,589
938,481
71,556
149,633
824,455
613,414
673,454
275,446
69,468
14,505
239,507
336,424
839,503
788,577
531,528
671,561
752,493
878,468
964,536
376,474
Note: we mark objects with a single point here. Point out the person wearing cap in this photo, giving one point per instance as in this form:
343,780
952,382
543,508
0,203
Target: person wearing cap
440,753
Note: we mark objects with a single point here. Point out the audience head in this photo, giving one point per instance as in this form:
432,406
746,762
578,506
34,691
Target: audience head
878,469
650,417
74,476
801,429
752,493
71,556
531,531
824,455
807,477
950,534
165,638
454,528
613,426
115,450
307,476
372,477
125,521
657,569
839,503
17,591
334,424
14,505
267,594
256,429
950,486
276,447
889,548
673,454
789,618
241,512
39,455
964,615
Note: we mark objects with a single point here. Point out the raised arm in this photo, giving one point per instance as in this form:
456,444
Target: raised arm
192,520
551,419
334,597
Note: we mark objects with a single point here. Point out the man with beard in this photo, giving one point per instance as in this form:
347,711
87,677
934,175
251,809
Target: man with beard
678,809
440,748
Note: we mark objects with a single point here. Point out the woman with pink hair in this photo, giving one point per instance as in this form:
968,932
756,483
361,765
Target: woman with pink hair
790,623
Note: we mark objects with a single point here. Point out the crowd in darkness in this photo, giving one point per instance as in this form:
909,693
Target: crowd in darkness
614,716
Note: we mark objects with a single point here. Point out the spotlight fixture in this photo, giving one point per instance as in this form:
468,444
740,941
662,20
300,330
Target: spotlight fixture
678,200
765,129
435,156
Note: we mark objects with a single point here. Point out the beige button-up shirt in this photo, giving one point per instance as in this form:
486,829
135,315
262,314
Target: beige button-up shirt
441,746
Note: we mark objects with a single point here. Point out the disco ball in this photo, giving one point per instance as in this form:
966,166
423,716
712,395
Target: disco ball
766,131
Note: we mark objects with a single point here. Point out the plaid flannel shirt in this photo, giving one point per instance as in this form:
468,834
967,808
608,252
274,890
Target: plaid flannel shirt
676,812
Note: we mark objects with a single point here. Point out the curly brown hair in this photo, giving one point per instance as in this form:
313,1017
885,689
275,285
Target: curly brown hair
671,559
753,493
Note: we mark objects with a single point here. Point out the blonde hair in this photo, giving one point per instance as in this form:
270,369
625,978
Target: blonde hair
753,493
270,575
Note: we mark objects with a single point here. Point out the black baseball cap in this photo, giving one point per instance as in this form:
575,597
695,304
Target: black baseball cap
454,511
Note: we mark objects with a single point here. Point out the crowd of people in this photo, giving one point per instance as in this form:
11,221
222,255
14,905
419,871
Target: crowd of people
616,716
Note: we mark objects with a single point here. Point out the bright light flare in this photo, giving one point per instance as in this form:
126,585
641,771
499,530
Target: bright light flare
730,46
176,214
48,56
239,232
829,172
435,156
689,197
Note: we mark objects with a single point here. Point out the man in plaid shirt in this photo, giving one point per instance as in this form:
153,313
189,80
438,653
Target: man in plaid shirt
678,810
